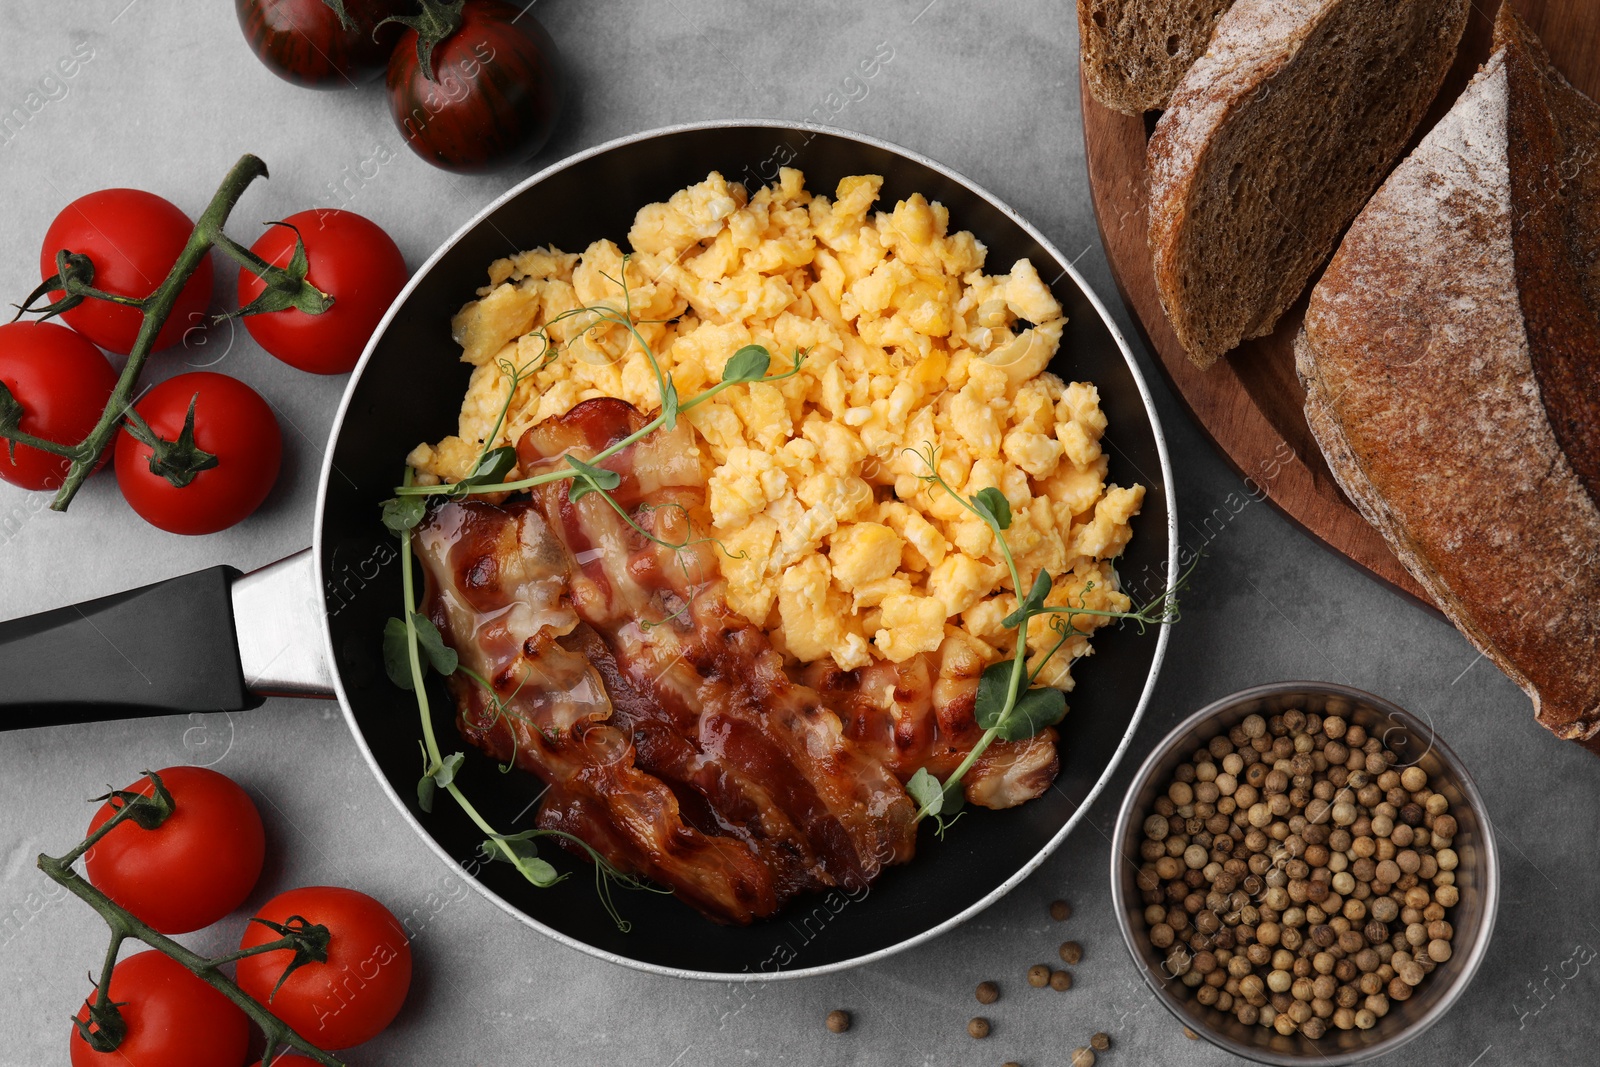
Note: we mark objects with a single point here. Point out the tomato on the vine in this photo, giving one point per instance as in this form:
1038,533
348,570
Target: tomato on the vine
495,94
351,260
62,384
232,424
357,992
173,1019
304,41
194,868
133,238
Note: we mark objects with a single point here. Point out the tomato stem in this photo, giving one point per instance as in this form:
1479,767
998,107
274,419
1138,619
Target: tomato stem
243,256
74,275
75,286
122,813
23,437
158,306
102,996
264,947
125,925
435,21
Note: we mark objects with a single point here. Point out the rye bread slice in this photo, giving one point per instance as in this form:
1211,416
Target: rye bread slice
1421,390
1272,143
1134,52
1555,181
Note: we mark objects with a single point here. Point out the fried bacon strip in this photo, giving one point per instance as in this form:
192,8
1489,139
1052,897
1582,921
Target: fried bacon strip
671,737
770,748
496,581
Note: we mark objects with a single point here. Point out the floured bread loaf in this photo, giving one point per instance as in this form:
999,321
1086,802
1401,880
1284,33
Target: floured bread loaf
1273,141
1444,357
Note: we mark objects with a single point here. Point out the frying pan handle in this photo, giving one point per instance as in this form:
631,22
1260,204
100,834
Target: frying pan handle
166,648
278,612
214,640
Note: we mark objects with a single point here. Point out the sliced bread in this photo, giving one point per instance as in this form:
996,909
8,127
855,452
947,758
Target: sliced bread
1134,52
1422,389
1272,143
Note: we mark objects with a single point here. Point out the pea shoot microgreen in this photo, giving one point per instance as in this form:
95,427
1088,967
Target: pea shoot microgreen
749,364
500,710
412,644
1009,705
606,874
436,774
588,479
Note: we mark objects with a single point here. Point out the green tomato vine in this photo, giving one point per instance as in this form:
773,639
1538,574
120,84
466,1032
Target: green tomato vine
105,1029
178,461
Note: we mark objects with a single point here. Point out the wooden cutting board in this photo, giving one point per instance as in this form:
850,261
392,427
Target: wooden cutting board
1250,404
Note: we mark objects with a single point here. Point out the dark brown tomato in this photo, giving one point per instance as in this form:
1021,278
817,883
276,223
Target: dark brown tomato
495,95
303,41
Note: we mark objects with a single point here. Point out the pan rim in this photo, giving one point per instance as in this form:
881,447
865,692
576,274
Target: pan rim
1162,635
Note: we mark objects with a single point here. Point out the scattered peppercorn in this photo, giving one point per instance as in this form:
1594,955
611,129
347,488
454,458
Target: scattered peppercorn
978,1027
1071,952
1060,981
1293,877
1100,1042
838,1021
1082,1057
1060,911
988,993
1039,975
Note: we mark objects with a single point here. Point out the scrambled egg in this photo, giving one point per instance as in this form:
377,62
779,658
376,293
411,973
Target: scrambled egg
835,543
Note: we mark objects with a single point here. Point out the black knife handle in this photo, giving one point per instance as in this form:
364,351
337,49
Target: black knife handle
166,648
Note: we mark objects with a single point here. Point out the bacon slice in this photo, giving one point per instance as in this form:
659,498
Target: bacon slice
484,566
773,751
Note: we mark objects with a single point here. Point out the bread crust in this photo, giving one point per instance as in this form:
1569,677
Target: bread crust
1422,392
1134,52
1263,157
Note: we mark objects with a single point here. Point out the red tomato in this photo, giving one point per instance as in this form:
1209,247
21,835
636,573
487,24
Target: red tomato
173,1019
63,384
195,867
133,238
303,41
231,422
351,260
353,996
496,96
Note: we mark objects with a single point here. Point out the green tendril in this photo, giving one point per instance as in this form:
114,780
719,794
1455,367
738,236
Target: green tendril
500,711
1009,705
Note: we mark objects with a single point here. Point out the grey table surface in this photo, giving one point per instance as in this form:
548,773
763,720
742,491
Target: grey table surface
172,96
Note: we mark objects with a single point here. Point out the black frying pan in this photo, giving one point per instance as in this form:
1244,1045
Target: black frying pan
312,624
